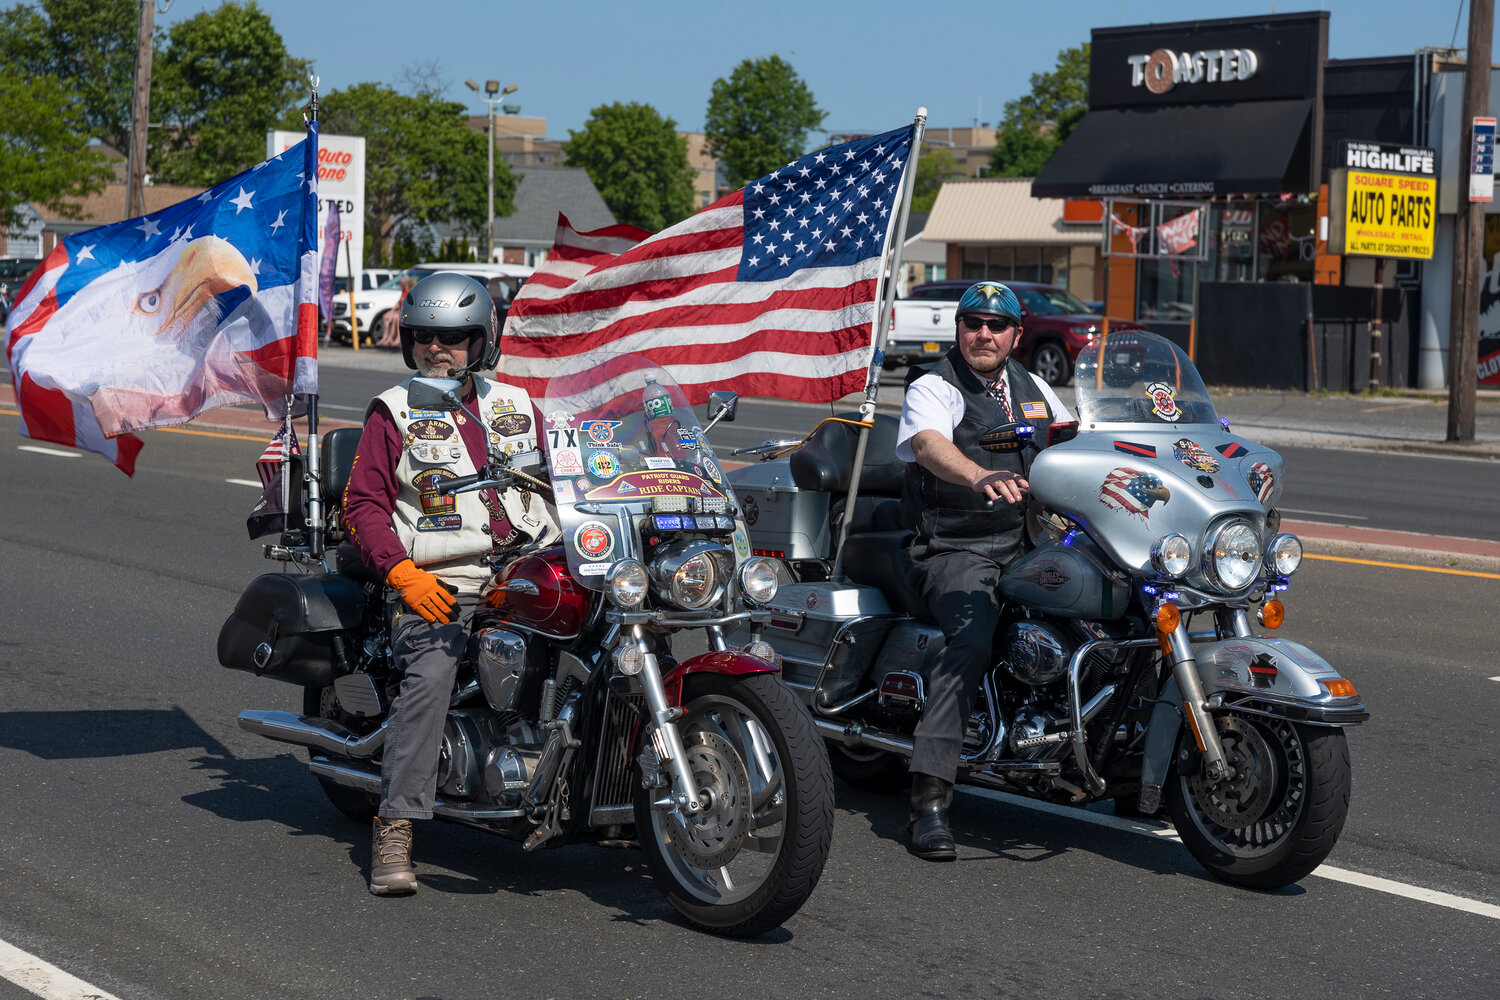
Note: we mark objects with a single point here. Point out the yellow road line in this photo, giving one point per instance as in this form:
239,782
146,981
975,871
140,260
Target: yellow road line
176,430
1391,565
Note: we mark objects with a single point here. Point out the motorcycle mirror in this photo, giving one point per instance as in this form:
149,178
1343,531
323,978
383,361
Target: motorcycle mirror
721,406
433,394
1004,438
1062,431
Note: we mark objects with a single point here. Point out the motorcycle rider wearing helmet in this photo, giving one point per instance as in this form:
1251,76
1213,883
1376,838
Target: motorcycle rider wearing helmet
434,551
966,505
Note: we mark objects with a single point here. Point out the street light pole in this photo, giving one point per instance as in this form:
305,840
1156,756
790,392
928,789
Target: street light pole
495,95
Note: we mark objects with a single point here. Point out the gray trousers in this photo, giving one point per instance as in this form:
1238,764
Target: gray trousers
429,654
959,588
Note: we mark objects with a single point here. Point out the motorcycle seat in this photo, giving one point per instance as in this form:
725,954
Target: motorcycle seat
336,461
881,559
825,464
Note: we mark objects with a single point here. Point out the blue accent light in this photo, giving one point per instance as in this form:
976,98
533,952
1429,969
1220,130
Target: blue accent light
668,522
1146,588
1025,430
1224,423
1171,595
1072,534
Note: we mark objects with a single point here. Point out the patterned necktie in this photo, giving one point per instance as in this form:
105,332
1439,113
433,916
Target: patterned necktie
1000,395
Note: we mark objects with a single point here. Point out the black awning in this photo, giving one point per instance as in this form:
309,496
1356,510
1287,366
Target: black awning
1195,150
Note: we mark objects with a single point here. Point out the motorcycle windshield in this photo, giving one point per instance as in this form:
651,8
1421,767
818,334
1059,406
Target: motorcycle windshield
1136,377
628,456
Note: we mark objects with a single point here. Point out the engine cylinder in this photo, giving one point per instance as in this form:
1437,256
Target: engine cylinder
1035,652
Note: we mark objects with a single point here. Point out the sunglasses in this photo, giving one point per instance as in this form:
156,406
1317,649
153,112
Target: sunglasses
973,324
448,338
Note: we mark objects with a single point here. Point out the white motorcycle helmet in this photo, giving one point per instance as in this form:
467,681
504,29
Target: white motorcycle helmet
447,301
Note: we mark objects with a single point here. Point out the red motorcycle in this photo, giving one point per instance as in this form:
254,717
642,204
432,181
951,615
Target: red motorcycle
575,716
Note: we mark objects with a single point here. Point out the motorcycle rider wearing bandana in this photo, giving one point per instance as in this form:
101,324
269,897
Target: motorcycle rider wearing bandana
434,551
968,509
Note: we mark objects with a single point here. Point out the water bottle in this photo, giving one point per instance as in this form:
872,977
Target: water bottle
655,401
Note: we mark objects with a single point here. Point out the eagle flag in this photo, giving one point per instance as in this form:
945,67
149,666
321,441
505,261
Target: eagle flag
152,321
770,291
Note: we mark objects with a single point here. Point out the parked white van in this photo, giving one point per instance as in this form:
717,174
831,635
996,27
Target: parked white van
502,281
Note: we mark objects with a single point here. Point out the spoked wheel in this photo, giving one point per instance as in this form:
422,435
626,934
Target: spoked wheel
869,770
1282,812
745,863
358,806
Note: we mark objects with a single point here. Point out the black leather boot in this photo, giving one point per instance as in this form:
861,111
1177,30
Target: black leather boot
931,839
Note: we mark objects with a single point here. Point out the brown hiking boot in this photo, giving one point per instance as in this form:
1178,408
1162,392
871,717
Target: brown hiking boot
390,858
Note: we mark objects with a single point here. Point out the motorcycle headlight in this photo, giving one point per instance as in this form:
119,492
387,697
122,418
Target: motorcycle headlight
626,583
1232,555
758,580
691,573
1171,554
1284,554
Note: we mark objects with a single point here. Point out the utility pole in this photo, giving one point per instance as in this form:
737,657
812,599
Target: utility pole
140,113
1468,235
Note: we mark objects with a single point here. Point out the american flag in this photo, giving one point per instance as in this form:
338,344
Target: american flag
771,291
1132,491
152,321
1262,480
275,452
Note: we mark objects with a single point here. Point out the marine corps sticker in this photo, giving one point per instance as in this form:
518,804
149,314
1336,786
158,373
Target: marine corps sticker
1262,481
510,424
431,430
593,539
603,465
1193,456
430,500
1163,403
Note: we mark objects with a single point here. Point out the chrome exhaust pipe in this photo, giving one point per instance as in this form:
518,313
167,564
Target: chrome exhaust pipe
852,734
319,734
353,777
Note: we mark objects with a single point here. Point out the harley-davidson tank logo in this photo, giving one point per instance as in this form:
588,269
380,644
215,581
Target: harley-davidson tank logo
1192,455
1163,400
601,433
426,483
1262,481
1133,492
1044,573
510,424
594,539
431,430
603,464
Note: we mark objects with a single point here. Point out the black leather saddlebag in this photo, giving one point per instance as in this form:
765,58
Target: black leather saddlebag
292,627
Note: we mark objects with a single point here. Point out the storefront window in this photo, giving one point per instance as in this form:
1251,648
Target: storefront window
1287,241
1232,256
1047,265
1168,290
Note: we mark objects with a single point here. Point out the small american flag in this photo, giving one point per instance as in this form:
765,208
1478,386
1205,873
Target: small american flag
271,458
1132,491
770,291
1262,480
1034,411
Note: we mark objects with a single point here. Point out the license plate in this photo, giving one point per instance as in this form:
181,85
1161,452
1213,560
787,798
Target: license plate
930,347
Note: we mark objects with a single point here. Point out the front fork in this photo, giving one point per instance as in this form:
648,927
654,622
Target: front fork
665,737
1205,733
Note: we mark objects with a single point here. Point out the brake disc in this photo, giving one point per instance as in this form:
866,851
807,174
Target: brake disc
712,837
1241,800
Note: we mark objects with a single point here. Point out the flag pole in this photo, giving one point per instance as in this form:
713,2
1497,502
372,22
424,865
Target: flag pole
314,480
882,331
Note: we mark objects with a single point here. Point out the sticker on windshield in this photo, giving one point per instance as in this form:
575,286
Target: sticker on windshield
603,464
593,569
1192,455
565,462
600,433
657,462
559,419
712,470
1133,492
741,543
1131,448
1262,481
1163,403
594,539
564,491
687,437
1230,449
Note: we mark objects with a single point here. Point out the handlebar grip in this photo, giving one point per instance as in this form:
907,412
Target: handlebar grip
450,486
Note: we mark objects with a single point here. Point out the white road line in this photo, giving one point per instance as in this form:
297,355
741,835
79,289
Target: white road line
1495,678
246,482
1146,828
38,449
1324,513
44,979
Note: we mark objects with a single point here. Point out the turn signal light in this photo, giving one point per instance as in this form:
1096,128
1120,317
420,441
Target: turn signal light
1168,618
1340,688
1272,613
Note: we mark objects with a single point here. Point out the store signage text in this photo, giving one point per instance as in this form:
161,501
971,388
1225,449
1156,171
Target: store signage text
1383,156
1383,215
1164,69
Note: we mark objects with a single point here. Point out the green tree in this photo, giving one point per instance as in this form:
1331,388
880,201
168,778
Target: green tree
44,149
759,118
934,167
422,160
1036,124
222,80
638,162
88,46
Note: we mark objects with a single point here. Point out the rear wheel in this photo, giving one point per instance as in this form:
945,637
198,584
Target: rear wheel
1280,815
320,703
748,861
1050,361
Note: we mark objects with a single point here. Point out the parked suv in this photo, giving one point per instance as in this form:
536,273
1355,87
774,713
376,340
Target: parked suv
1058,324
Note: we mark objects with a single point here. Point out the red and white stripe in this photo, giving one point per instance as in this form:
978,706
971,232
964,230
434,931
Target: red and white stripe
673,298
1114,493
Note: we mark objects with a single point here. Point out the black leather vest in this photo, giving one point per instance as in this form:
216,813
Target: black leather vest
948,516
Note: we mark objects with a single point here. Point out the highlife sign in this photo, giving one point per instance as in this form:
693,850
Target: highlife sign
341,178
1385,212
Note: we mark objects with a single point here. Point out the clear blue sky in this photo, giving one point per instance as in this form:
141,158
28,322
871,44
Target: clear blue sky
870,64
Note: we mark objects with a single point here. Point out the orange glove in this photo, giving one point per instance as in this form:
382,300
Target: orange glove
421,591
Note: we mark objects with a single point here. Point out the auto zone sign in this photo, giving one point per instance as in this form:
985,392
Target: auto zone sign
1383,213
341,179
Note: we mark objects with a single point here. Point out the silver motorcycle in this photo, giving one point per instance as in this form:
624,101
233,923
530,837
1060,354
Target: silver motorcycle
1136,660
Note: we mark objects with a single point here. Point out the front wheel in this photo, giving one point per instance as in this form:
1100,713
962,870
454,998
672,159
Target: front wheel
1280,815
748,861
